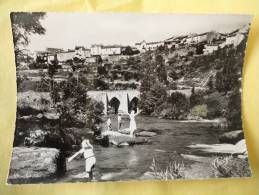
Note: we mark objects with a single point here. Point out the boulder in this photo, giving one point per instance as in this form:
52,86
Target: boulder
120,139
51,116
232,137
52,139
35,138
238,148
146,134
35,164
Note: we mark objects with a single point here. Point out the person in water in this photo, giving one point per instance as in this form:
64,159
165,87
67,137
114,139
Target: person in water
109,124
90,160
133,125
119,121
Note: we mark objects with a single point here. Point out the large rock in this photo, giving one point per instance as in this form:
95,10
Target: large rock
29,165
238,148
146,134
50,139
232,137
121,139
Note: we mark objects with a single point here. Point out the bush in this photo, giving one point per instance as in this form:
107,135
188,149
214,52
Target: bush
200,111
100,84
173,171
196,98
230,166
216,103
151,96
233,114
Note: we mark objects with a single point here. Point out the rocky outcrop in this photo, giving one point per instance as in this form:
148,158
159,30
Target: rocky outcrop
146,134
238,148
120,139
232,137
50,139
35,164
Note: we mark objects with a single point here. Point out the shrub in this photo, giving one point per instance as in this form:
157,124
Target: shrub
152,95
229,166
216,103
173,171
200,111
233,114
196,98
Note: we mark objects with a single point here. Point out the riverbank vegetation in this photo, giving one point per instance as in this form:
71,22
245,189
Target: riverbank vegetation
229,166
217,96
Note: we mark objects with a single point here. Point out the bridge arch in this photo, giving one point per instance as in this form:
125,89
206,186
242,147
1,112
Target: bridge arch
114,104
133,104
124,99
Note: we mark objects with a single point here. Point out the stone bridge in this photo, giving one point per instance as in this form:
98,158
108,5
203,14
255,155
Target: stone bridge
124,99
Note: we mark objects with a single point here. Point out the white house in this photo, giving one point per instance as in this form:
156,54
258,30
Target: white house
197,38
65,55
144,46
81,52
105,50
234,39
210,48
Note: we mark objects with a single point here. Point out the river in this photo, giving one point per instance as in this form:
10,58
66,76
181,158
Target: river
131,162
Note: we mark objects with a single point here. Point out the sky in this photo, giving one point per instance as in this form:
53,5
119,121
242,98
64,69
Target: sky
67,30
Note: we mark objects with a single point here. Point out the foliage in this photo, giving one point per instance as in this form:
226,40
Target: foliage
229,166
196,98
25,24
216,104
210,84
77,106
100,84
173,171
200,111
161,73
227,79
199,49
151,95
101,70
234,114
128,51
177,105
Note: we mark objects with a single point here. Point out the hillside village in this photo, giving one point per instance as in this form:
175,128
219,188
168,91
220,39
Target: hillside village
120,66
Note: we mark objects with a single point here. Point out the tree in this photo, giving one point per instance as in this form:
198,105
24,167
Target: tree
151,97
128,51
159,60
76,107
233,113
199,49
228,78
210,84
196,98
25,24
179,104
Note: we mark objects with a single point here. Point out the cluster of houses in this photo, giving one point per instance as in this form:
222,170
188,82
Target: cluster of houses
211,42
88,54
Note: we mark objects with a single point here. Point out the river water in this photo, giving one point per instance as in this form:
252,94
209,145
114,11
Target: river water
131,162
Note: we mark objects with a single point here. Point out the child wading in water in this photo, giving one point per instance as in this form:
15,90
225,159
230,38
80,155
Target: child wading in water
90,160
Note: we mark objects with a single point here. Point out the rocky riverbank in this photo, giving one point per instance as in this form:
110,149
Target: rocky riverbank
34,164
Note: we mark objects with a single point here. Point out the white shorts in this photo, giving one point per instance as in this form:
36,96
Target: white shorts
89,163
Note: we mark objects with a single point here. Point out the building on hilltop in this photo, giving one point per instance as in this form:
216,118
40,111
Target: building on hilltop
101,50
65,55
52,50
81,52
210,48
234,38
174,42
145,46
